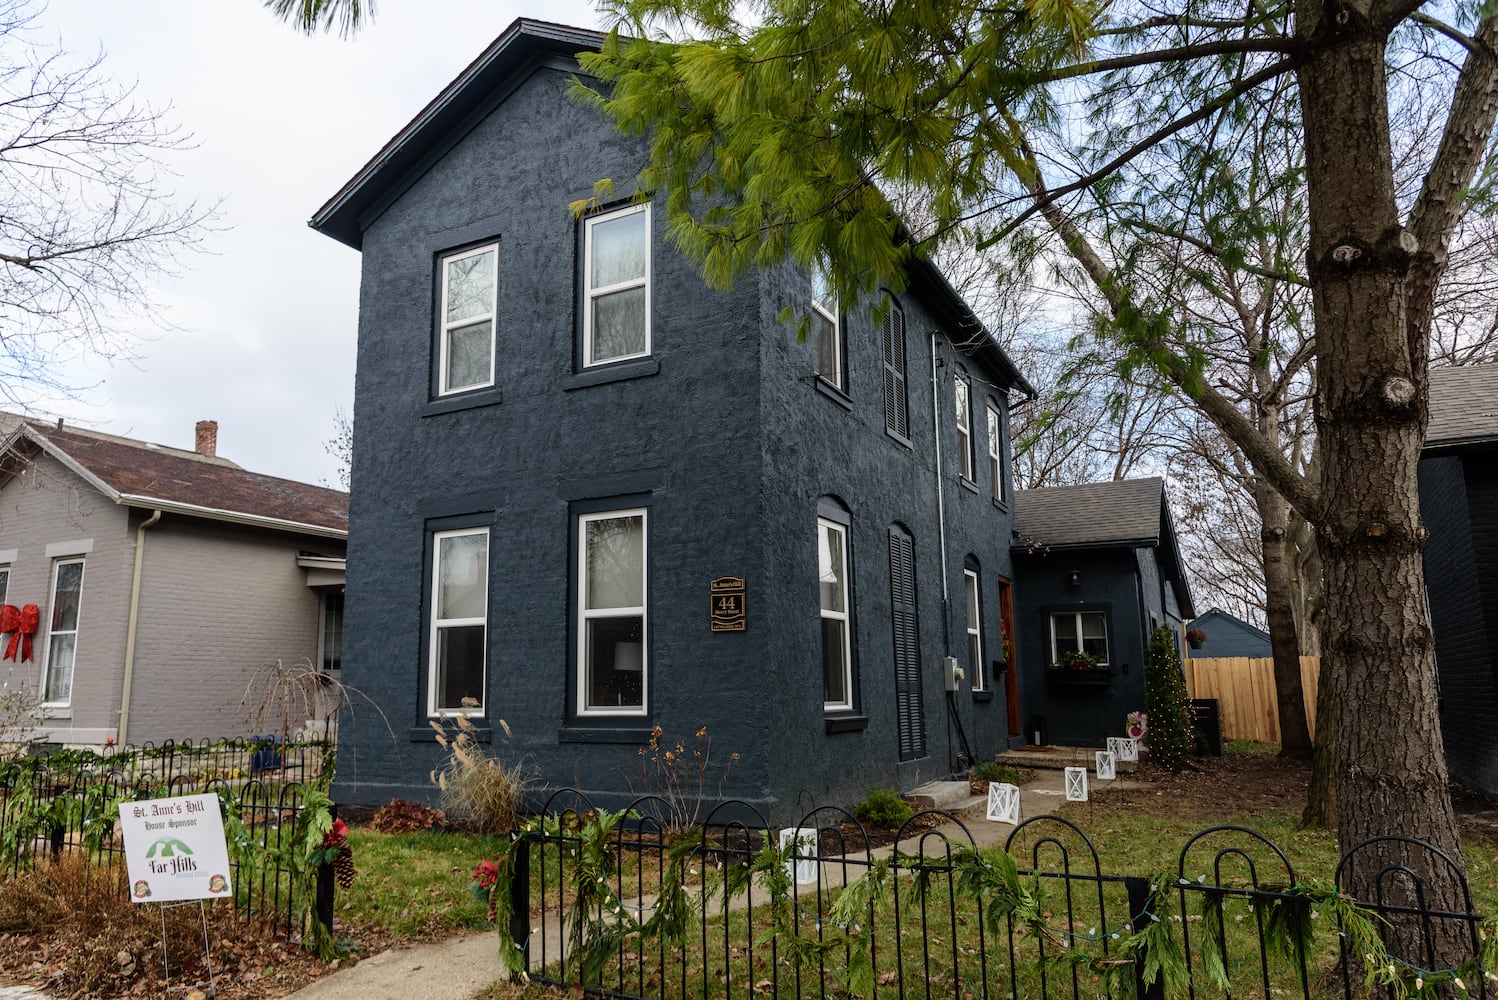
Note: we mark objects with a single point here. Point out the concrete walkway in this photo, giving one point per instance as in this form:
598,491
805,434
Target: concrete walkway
458,968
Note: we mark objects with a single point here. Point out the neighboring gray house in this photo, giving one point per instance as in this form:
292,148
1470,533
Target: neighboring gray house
1228,636
1099,569
593,496
163,579
1459,506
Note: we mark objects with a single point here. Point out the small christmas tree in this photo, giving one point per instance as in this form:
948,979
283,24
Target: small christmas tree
1166,701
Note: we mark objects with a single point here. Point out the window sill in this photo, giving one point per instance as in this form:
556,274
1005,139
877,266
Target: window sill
833,393
463,401
1001,504
983,695
56,712
623,735
967,484
619,371
426,734
847,723
903,442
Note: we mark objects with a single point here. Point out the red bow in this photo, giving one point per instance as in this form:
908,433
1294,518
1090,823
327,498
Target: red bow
21,624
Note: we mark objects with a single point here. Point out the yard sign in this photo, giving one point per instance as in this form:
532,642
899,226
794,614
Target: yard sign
174,849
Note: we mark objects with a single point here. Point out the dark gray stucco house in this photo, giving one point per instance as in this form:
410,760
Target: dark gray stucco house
1228,635
1099,570
1459,505
592,496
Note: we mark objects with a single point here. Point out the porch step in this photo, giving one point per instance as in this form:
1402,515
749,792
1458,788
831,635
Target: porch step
948,795
1056,758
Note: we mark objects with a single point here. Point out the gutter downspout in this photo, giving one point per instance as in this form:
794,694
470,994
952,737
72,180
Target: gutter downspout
140,555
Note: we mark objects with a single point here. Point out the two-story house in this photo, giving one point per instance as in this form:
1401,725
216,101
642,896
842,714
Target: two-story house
592,496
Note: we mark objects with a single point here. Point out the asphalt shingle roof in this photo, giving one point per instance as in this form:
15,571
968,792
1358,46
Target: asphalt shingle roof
1123,510
139,469
1463,405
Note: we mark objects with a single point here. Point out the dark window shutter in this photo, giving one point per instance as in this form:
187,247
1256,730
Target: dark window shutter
910,720
896,400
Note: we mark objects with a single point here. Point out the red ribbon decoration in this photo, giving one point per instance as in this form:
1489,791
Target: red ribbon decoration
22,626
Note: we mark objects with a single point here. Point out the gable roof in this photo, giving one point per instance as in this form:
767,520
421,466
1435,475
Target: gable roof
463,103
1117,513
1463,407
1217,614
140,474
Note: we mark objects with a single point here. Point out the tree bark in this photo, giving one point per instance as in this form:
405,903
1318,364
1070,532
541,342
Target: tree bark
1279,611
1370,417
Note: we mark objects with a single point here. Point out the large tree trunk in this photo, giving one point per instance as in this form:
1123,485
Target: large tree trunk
1279,610
1370,416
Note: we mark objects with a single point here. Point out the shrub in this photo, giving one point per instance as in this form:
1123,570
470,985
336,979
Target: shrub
680,775
1165,699
883,809
400,816
476,786
986,773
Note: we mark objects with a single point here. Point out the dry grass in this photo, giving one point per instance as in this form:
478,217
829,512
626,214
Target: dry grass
477,787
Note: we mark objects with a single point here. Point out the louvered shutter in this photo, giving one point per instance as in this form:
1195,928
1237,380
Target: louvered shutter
910,720
896,400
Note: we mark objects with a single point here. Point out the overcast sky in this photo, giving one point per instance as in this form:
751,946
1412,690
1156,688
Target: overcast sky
261,330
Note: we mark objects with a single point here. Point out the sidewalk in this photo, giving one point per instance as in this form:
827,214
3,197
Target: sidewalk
458,968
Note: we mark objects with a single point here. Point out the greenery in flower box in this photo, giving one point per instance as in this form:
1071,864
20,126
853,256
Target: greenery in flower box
1074,660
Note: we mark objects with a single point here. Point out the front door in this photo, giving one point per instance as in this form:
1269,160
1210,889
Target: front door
1009,655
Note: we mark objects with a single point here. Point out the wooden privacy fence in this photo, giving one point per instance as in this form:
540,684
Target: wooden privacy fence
1246,695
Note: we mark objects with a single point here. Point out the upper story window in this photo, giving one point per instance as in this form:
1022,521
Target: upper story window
974,629
996,454
460,616
836,598
962,388
826,330
62,634
470,286
1080,631
896,395
616,265
611,650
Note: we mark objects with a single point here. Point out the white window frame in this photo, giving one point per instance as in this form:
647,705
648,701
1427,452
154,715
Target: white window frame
844,617
444,388
1076,619
437,624
323,609
590,293
974,626
585,615
48,666
996,453
824,276
962,394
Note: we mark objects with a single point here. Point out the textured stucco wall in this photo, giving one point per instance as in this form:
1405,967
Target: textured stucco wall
729,442
218,603
1459,505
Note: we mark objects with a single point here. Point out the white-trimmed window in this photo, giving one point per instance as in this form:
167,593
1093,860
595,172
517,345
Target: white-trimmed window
1084,631
460,615
974,630
836,591
612,656
4,583
826,334
330,638
470,286
996,454
616,265
62,633
962,390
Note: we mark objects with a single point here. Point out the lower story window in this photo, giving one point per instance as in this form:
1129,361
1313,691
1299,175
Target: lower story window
62,633
460,607
611,648
1080,632
331,657
832,578
974,630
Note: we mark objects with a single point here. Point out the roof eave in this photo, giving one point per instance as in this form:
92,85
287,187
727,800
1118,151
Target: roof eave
230,516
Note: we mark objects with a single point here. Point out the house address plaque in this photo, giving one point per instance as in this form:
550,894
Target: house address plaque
728,604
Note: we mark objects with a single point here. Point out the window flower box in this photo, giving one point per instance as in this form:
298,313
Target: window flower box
1085,678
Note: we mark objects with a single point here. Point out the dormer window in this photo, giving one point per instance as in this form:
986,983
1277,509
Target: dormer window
616,266
469,290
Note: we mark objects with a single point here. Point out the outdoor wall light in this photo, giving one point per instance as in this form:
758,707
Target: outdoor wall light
1074,577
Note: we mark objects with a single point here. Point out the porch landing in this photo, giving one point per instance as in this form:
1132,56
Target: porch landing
1055,758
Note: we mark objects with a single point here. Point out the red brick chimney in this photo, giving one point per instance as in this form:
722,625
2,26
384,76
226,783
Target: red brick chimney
207,443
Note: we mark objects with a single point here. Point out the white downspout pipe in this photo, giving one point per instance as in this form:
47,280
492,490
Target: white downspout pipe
140,556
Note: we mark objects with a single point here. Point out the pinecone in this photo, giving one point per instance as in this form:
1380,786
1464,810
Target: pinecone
343,868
